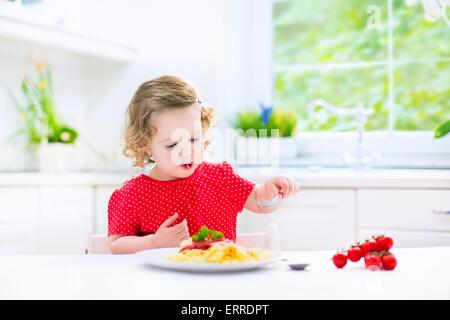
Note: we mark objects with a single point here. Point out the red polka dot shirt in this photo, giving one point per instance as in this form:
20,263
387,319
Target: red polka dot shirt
212,196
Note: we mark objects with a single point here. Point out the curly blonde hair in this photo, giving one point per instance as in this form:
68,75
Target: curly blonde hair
162,93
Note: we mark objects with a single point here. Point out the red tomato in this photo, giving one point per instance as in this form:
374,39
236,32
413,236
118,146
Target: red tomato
369,246
355,253
385,243
372,262
340,260
388,261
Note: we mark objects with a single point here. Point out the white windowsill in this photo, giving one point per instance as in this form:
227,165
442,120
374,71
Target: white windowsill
400,150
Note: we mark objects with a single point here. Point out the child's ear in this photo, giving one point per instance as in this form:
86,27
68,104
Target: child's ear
149,155
149,152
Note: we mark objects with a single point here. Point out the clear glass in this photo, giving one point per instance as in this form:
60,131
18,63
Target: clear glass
341,87
422,95
329,31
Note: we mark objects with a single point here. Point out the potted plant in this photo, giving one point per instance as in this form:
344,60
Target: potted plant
263,128
42,124
442,130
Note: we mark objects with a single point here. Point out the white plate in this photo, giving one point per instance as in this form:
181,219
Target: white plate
157,258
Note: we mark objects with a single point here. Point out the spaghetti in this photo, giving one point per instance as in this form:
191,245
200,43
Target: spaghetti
221,252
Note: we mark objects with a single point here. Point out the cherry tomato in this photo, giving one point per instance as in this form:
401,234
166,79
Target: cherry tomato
388,261
372,262
385,243
355,253
369,246
340,260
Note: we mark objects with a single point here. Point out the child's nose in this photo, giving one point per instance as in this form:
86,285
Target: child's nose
186,150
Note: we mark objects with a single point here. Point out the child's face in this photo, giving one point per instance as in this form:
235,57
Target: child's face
178,145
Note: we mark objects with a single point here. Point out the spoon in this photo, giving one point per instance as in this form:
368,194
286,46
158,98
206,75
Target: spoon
269,203
273,202
296,266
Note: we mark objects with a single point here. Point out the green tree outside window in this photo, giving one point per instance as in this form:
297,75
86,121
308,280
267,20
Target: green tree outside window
339,50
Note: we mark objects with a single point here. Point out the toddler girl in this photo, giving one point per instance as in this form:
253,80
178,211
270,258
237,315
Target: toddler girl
166,125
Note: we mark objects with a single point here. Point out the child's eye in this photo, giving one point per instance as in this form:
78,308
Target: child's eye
192,140
172,145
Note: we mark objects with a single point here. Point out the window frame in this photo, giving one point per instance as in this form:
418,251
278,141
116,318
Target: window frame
406,146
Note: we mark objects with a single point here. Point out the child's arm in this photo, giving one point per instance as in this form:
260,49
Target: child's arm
285,186
165,236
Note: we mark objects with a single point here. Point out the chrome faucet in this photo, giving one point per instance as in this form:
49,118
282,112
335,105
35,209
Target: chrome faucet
360,157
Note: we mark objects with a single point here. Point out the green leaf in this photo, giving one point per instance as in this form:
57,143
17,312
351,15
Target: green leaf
206,233
442,129
250,121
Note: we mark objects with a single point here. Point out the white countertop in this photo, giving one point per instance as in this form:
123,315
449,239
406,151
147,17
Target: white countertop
421,273
315,178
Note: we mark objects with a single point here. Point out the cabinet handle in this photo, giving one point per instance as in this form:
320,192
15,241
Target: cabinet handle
441,211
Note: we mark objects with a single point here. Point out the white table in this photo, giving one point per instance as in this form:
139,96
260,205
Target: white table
422,273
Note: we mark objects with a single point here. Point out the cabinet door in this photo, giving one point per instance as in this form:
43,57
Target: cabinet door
315,219
66,219
19,205
409,239
19,238
19,214
103,195
404,209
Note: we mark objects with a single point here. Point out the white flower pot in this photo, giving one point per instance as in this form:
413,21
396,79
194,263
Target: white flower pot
54,157
265,151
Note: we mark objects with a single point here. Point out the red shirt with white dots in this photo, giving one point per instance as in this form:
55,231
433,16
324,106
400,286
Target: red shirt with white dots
212,196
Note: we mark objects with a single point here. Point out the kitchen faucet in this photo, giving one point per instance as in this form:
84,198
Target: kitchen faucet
360,157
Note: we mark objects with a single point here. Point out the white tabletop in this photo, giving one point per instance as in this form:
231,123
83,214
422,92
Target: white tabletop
422,273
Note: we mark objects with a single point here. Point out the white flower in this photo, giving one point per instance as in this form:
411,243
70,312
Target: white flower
433,9
65,136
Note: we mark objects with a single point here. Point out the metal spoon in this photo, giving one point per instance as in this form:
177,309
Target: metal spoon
269,203
273,202
296,266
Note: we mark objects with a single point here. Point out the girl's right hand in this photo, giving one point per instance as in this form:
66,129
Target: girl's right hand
171,236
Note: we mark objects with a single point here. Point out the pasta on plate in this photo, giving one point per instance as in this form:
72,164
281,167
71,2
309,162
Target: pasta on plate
220,253
210,246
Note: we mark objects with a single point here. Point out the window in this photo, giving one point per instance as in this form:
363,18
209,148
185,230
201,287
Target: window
383,53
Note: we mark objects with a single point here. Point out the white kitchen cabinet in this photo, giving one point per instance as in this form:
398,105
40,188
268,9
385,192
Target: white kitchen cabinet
315,219
42,213
410,238
66,219
417,216
19,220
20,238
18,205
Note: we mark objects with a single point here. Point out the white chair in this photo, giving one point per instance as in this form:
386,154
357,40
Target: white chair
99,245
269,239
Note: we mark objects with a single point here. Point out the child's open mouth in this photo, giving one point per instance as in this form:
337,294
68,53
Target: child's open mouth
187,166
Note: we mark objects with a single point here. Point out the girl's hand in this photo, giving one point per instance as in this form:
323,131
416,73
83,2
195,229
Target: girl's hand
171,236
283,185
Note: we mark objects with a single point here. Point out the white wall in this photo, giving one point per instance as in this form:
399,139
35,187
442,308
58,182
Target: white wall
203,41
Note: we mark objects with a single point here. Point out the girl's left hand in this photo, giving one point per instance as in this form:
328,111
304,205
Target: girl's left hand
286,186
